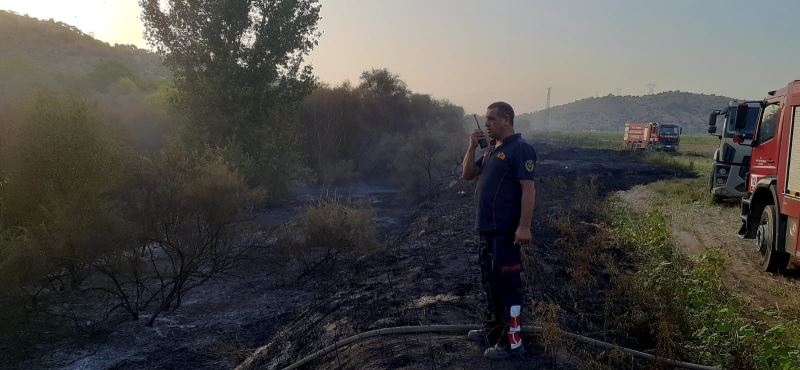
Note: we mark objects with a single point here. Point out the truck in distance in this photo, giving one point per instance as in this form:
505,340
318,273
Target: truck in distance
652,136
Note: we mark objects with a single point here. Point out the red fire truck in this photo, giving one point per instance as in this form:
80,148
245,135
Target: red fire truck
771,210
652,135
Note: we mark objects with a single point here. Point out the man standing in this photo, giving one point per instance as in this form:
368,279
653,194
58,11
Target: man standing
504,201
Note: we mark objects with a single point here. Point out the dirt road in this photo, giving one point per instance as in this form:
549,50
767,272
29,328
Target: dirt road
696,228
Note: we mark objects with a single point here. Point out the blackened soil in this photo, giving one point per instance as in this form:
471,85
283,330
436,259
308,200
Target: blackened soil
429,275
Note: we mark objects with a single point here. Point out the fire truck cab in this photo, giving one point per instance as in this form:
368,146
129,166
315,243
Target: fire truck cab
731,160
770,211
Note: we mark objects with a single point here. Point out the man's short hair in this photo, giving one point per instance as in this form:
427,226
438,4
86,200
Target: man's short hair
504,110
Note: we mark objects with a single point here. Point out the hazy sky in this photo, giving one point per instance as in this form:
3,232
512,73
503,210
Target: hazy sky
473,52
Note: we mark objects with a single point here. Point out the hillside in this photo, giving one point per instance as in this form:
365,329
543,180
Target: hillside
37,54
609,113
51,45
129,86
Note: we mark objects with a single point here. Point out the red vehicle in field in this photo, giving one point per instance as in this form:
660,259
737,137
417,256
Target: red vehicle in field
771,209
652,135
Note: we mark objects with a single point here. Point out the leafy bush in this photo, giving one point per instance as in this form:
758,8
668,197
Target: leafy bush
62,168
683,191
388,133
276,167
106,73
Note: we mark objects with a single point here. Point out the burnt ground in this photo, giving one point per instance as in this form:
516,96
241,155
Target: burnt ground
430,276
271,315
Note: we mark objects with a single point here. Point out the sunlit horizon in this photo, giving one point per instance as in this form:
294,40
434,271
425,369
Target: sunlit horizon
472,53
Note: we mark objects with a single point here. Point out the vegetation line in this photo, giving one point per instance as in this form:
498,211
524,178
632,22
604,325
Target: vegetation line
688,294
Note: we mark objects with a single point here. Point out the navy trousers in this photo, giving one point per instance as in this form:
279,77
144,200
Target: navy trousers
501,276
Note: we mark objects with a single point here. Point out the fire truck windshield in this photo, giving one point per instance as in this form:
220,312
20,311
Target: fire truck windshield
752,119
668,130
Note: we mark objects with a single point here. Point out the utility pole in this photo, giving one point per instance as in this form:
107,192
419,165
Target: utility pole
547,112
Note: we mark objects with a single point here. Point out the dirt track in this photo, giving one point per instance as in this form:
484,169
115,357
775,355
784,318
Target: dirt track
698,227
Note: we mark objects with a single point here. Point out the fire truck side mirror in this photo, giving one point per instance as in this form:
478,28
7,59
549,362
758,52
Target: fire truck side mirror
712,121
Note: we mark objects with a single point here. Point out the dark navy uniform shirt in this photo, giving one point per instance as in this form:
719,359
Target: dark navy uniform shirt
499,193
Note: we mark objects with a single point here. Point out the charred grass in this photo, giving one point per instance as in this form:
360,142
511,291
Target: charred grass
583,292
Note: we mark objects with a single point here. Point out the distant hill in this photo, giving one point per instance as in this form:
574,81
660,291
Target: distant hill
51,45
36,54
130,86
610,113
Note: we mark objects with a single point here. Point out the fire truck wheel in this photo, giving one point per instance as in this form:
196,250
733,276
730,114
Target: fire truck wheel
765,240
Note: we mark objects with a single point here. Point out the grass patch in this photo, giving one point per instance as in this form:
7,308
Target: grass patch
680,161
682,191
702,139
710,325
593,140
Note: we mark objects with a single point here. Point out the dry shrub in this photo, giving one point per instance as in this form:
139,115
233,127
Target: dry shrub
230,352
586,194
556,184
549,314
185,205
665,342
565,225
341,226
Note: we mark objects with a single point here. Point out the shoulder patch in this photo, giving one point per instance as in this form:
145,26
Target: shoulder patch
529,164
502,156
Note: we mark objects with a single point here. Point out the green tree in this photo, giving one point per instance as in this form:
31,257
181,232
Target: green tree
62,168
106,73
238,64
382,83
